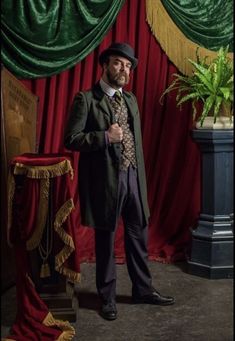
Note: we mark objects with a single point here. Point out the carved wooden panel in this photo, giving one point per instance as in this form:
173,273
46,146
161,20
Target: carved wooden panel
18,136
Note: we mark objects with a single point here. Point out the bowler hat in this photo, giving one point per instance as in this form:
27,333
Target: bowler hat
119,49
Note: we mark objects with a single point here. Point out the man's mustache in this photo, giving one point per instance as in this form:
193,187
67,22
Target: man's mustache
121,74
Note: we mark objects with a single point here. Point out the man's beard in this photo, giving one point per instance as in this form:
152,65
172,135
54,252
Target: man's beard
118,80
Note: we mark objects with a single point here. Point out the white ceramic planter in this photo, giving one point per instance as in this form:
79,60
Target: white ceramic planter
222,122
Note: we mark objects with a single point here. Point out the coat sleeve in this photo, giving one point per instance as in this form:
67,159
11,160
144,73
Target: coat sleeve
77,135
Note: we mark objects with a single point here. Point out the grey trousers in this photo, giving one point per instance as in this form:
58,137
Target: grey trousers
135,241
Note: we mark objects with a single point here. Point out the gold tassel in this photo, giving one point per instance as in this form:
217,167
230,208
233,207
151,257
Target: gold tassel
45,270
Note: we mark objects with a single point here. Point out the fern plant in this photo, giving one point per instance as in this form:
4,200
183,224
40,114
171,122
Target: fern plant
211,83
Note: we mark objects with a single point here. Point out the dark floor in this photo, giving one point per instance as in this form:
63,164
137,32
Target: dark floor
203,308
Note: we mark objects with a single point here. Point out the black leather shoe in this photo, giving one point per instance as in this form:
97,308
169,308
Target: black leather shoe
109,311
154,298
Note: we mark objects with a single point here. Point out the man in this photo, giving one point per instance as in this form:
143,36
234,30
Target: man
105,127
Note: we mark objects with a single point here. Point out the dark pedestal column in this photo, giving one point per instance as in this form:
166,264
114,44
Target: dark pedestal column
212,240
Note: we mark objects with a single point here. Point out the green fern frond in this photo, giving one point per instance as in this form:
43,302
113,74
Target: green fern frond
217,106
187,97
211,83
206,109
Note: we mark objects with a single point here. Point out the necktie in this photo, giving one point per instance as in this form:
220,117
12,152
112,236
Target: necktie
118,97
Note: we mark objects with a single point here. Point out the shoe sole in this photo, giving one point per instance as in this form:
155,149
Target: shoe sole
108,318
161,304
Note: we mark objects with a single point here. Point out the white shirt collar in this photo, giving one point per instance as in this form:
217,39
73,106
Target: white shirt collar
107,89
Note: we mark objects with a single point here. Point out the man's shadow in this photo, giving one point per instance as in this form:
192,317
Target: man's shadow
90,300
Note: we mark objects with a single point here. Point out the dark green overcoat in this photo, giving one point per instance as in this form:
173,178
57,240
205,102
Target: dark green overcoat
90,117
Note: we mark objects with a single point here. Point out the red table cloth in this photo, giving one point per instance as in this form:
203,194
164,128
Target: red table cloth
30,178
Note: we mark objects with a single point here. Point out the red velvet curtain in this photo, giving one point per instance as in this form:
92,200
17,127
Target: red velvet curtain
172,158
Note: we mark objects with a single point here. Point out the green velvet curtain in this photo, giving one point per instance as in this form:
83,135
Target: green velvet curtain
42,38
209,23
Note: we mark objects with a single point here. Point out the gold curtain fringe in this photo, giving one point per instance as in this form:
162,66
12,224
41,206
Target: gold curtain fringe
42,172
42,213
175,44
68,332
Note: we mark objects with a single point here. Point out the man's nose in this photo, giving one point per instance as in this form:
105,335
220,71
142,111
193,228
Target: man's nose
124,69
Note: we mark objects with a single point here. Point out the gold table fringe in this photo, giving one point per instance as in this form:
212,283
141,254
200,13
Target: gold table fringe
42,172
68,332
175,44
69,247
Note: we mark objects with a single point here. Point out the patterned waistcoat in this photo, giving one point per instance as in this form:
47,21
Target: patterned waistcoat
128,144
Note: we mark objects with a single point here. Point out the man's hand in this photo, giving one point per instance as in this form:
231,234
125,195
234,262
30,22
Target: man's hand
115,133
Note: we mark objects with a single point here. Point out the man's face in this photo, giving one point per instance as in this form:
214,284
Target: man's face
117,71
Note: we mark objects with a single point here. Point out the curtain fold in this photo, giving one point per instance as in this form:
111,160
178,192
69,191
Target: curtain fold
43,38
172,159
207,23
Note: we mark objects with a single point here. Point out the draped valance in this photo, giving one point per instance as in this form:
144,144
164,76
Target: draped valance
43,38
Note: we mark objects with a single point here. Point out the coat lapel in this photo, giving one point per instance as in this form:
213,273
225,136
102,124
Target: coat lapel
103,103
131,104
106,108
